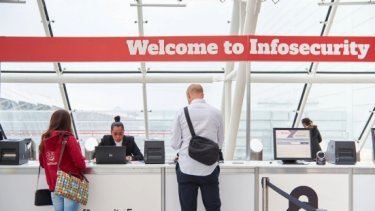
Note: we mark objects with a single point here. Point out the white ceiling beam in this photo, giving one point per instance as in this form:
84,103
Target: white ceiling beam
251,17
141,33
13,1
229,66
186,78
157,5
84,78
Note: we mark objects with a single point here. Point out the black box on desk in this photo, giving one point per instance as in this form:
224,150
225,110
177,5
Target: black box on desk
341,152
13,151
154,152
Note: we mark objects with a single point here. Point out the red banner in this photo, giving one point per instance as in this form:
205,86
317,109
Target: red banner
187,48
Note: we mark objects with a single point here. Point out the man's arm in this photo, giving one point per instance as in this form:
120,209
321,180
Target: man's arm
176,140
220,138
220,133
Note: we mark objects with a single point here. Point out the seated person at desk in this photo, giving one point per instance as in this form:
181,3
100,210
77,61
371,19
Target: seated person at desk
118,138
316,138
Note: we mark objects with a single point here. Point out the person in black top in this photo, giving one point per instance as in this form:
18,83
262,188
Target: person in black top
118,138
316,138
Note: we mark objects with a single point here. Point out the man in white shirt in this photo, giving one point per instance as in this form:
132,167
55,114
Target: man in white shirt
207,122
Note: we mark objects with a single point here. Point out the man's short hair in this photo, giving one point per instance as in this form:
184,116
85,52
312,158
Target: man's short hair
194,89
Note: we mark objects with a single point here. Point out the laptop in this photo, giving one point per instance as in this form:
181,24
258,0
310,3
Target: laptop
110,155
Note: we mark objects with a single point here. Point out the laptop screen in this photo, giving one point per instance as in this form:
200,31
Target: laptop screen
110,155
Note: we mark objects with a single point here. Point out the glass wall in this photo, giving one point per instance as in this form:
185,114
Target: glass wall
340,110
94,107
25,109
272,105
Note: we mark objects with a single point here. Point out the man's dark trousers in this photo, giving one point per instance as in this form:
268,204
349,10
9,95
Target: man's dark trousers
188,190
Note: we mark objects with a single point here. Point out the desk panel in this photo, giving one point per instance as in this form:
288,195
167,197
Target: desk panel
140,187
112,187
330,186
364,189
237,191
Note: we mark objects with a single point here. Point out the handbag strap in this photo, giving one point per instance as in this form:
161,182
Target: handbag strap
186,111
62,149
37,180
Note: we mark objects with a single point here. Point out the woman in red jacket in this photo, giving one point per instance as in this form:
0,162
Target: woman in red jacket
49,152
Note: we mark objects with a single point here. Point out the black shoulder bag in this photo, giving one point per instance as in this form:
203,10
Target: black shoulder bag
42,196
201,149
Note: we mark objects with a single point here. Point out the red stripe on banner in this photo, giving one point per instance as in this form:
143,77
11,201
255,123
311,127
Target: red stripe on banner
187,48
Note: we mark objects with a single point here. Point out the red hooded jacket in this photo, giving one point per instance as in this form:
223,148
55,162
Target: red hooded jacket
72,160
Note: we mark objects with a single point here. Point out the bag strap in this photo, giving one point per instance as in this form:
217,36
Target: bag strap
80,176
62,149
37,180
186,111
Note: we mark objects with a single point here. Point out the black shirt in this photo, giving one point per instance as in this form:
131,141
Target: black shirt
316,138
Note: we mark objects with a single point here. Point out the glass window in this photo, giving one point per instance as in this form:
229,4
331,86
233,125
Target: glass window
280,66
293,17
92,18
25,109
21,20
354,20
197,18
351,21
272,105
367,150
340,110
95,106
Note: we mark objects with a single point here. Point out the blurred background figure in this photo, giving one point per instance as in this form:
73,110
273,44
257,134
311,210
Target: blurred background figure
316,138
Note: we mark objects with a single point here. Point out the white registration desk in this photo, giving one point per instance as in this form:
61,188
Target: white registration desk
140,187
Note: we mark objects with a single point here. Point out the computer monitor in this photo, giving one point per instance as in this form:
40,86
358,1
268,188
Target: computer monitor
292,144
2,133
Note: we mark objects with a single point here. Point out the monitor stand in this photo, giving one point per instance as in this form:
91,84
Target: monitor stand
289,161
294,162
